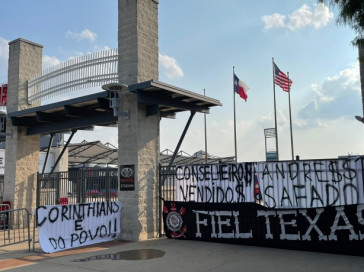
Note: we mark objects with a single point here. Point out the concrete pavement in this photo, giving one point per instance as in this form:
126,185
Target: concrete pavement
173,255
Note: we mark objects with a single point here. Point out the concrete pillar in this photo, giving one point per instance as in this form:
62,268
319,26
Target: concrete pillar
21,151
138,135
62,165
138,41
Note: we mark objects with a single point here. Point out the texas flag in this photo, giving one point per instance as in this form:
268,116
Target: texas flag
240,88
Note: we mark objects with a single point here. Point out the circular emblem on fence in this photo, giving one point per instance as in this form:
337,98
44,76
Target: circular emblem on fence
174,221
126,172
3,216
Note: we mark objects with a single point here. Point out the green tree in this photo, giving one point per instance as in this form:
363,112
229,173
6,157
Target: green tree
352,14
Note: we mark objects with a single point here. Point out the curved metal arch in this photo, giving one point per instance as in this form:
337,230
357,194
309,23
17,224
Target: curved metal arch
95,69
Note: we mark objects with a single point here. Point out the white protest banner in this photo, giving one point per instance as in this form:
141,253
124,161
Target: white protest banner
63,227
2,161
286,184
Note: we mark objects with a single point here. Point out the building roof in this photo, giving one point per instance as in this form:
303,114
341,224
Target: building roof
97,153
92,153
197,158
97,110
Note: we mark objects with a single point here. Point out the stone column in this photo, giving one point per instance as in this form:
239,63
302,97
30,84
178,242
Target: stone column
21,151
138,135
138,41
62,165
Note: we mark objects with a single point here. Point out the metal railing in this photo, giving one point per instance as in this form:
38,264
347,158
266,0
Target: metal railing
167,191
86,71
15,227
77,186
1,187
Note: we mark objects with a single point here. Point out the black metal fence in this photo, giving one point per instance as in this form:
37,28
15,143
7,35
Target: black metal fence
167,182
1,187
15,227
167,190
77,186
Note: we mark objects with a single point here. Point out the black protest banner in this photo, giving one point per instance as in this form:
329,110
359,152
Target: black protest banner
330,229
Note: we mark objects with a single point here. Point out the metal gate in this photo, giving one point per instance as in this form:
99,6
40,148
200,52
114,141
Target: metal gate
167,190
1,187
15,226
77,186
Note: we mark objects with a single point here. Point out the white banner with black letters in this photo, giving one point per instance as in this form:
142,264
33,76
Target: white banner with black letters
330,229
287,184
63,227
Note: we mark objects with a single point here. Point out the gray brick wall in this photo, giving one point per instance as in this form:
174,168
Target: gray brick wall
138,41
139,146
21,151
25,60
139,136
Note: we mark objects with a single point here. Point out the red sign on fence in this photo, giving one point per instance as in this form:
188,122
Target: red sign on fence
4,216
3,94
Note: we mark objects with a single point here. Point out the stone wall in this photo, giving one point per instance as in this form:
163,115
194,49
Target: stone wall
138,41
138,135
21,150
62,165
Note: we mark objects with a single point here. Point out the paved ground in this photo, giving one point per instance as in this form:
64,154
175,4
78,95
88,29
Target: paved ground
171,255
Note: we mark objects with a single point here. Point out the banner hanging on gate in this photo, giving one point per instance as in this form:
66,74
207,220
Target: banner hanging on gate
330,229
286,184
63,227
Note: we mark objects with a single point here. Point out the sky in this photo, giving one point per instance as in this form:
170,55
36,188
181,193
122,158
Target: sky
200,41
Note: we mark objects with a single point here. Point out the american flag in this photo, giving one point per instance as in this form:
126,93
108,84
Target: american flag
281,79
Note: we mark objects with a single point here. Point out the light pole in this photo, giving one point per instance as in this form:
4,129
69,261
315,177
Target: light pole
361,69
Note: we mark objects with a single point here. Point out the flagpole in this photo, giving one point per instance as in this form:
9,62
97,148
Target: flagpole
205,133
290,116
275,112
236,156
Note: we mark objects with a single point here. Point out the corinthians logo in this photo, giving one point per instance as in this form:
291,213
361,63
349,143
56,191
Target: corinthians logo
174,221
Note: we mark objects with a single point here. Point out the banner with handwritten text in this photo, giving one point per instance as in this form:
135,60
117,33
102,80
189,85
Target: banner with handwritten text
286,184
331,229
63,227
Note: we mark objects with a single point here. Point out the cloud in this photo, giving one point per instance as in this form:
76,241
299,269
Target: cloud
98,48
321,16
83,35
4,55
48,61
275,20
338,97
321,124
4,48
170,67
317,17
299,123
320,96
